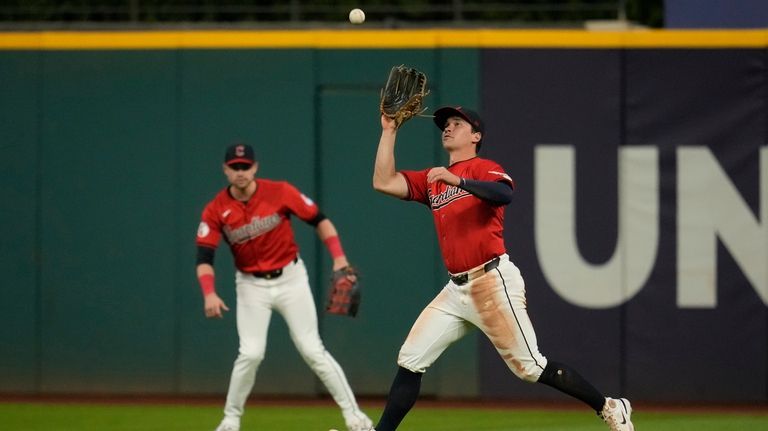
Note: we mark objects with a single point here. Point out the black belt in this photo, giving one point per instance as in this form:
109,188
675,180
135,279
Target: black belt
463,278
272,274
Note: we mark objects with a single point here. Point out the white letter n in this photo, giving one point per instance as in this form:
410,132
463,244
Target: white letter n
710,207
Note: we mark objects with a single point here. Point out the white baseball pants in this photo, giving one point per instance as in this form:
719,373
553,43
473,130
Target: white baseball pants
291,296
495,303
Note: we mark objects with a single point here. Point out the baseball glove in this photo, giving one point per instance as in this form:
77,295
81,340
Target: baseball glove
344,294
402,96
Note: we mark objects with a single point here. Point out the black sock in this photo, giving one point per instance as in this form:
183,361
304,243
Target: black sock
566,379
402,396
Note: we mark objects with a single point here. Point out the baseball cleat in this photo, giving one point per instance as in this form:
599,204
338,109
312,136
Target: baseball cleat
358,421
616,413
227,427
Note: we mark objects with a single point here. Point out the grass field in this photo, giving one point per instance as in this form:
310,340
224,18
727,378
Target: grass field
41,416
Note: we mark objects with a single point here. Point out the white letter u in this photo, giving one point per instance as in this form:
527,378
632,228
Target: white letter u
577,281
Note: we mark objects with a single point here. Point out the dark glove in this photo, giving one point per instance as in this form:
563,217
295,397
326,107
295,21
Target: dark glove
403,94
344,293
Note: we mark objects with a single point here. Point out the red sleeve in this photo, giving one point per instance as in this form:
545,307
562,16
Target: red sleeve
209,230
299,204
491,171
417,185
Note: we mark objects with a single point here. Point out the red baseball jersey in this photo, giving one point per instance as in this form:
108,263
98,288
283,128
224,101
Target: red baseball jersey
259,231
469,230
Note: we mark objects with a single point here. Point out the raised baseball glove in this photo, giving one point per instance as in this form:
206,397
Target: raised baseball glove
344,293
403,94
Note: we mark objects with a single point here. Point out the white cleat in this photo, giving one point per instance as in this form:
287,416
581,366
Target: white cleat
358,421
616,413
227,427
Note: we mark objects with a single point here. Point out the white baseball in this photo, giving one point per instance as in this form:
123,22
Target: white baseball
356,16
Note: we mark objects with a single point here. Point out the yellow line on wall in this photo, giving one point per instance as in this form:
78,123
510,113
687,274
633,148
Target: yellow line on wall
381,39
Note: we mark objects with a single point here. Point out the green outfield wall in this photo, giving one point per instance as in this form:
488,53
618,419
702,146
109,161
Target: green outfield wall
109,156
111,143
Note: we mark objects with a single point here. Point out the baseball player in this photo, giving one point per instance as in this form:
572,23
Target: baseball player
253,217
484,288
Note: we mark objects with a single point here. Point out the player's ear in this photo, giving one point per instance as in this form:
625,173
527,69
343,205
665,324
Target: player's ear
477,137
255,167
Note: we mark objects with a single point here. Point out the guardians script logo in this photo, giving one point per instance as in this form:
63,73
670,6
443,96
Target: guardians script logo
257,226
450,194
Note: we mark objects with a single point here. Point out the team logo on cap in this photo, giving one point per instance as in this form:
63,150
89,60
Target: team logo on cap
240,150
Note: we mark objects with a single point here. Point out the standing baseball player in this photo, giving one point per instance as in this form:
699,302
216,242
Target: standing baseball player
484,289
253,216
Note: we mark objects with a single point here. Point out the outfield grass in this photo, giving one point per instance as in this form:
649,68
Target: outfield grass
104,417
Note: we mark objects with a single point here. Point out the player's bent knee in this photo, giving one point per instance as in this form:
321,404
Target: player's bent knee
314,360
420,370
251,357
412,363
527,372
530,377
312,353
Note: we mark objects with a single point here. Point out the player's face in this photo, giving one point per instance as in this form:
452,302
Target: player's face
458,134
240,175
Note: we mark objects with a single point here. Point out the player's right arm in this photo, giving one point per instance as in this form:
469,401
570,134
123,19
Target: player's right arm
208,235
386,179
214,306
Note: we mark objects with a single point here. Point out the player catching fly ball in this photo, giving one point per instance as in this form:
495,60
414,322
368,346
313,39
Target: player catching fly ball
253,216
484,288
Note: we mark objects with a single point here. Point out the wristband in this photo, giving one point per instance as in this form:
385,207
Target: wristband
207,283
334,246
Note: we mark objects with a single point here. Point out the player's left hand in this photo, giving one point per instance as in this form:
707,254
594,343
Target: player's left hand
442,174
388,124
340,262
